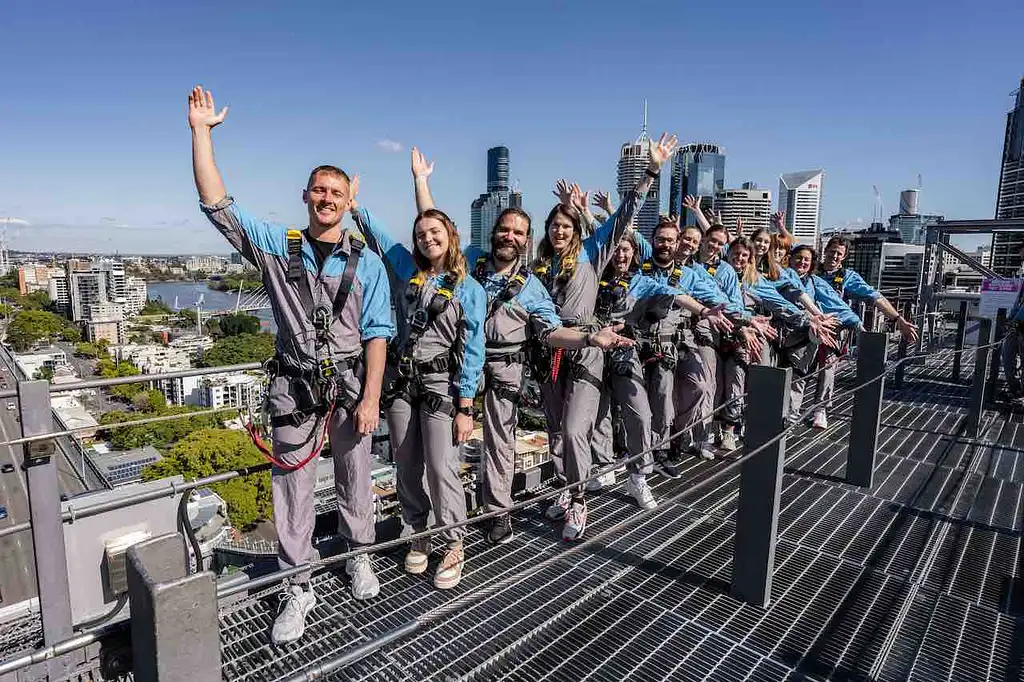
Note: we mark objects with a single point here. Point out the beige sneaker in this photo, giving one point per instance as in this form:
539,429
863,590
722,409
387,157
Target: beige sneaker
416,558
449,572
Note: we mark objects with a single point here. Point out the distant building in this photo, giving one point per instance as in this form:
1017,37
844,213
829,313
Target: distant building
232,390
35,277
193,343
73,415
486,208
125,467
633,160
52,358
236,258
137,294
1010,195
912,226
106,321
752,206
886,263
154,358
698,169
181,390
800,200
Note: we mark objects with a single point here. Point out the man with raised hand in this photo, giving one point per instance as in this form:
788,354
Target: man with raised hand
331,301
519,309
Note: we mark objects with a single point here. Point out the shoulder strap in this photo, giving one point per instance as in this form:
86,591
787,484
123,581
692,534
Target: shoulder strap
355,247
423,318
677,273
297,271
838,280
479,268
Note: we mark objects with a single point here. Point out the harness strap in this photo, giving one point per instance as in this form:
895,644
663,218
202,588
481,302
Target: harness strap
345,286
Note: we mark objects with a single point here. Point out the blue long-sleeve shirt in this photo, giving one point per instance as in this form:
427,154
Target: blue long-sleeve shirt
854,285
827,300
468,294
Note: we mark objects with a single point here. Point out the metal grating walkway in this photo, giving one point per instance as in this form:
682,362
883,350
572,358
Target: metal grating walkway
917,578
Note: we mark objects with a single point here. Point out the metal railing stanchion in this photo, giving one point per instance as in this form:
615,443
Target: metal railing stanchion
958,345
867,409
978,381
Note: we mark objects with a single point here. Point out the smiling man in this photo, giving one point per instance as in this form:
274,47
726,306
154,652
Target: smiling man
332,304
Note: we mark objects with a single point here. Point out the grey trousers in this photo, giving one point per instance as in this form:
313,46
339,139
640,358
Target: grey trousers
694,389
732,384
500,417
602,449
630,393
660,383
1010,354
294,514
423,443
570,407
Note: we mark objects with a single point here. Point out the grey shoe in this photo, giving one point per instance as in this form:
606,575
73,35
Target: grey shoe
364,583
665,466
296,603
729,439
559,508
575,521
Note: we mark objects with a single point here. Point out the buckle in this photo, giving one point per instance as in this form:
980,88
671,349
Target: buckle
406,367
432,401
419,320
272,366
326,369
321,318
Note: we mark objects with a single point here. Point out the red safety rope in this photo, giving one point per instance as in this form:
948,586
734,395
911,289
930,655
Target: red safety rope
261,445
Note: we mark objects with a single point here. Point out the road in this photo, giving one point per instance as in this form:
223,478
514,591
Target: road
17,567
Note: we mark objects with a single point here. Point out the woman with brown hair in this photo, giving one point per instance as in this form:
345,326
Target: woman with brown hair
568,265
434,368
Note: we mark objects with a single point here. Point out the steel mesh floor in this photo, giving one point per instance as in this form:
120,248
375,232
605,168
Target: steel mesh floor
918,577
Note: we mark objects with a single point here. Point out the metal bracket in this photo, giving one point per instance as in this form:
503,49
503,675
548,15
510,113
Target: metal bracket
39,451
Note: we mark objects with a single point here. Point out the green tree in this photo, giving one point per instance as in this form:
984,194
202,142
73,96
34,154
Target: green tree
30,326
239,323
71,334
45,373
213,451
10,279
159,434
156,306
87,350
233,350
6,310
187,317
37,300
150,401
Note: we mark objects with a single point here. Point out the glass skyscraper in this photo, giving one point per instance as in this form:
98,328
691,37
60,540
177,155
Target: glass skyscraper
698,169
485,209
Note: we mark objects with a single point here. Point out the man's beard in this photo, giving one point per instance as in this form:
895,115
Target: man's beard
664,255
509,251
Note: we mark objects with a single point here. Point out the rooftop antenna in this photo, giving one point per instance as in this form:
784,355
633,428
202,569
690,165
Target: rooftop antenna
878,210
643,131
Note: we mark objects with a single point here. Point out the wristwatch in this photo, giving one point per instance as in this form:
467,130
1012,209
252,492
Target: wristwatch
466,410
590,340
653,174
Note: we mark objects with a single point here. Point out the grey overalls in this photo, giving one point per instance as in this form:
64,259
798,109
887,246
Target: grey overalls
366,315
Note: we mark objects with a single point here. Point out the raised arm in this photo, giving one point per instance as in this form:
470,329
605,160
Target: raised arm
394,254
692,203
602,243
779,221
203,118
421,171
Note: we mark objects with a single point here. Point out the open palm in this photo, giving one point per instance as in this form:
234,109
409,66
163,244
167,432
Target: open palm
201,111
663,148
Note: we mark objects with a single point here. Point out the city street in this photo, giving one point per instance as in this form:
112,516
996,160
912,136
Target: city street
17,567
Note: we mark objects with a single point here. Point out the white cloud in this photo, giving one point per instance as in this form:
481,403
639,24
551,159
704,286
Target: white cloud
15,221
389,145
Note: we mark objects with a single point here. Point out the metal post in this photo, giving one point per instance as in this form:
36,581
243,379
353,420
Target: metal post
757,515
867,409
993,372
47,524
978,383
175,633
901,353
958,344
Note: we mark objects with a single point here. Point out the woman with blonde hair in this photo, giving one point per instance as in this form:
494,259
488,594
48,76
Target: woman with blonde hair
433,370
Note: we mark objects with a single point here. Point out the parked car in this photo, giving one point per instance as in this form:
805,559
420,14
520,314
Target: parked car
3,512
6,468
10,405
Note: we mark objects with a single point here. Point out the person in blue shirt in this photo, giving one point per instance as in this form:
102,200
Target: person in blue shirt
432,375
803,260
331,302
848,284
648,307
519,310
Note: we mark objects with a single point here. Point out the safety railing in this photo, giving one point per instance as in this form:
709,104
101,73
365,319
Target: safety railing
156,564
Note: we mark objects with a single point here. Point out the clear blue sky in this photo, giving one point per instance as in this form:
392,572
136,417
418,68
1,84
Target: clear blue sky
94,147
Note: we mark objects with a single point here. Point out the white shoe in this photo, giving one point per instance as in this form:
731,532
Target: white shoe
820,421
559,508
575,522
364,583
603,481
296,603
641,492
417,557
729,440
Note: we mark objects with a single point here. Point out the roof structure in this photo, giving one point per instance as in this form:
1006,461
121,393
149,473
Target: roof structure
918,577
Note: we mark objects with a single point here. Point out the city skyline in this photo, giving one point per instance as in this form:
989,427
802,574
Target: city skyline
101,98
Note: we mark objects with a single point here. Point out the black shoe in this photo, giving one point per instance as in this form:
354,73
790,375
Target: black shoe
501,531
664,466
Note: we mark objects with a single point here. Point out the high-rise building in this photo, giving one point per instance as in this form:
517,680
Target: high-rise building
497,169
698,169
633,160
886,263
751,205
1010,196
486,208
800,200
912,226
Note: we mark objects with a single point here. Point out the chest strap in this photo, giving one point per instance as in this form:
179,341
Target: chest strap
322,317
513,284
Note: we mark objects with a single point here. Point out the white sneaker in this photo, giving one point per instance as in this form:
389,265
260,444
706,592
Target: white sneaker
417,556
575,522
641,492
728,439
603,481
296,603
364,583
820,421
449,572
559,508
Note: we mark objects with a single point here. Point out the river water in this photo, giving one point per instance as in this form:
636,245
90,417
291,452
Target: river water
187,293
